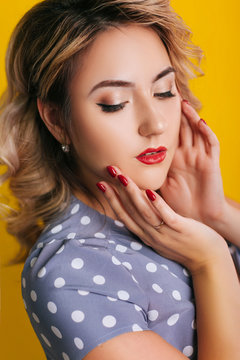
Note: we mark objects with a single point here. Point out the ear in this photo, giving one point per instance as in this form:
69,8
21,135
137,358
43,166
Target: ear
50,116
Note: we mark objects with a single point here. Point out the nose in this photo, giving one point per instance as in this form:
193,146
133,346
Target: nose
151,119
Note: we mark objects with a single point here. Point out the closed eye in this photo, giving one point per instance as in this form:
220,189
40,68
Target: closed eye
117,107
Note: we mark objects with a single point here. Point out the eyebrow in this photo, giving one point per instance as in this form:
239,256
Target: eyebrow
122,83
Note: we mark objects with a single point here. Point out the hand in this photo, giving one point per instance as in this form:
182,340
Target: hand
181,239
193,187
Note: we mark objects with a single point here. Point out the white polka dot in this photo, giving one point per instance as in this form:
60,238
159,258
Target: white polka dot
123,295
35,318
82,241
78,316
157,288
85,220
176,295
127,265
52,241
45,340
24,282
164,266
111,298
75,209
121,248
152,315
99,279
56,331
33,295
59,282
25,305
52,307
109,321
188,350
134,279
194,325
83,293
116,261
118,223
186,273
79,343
42,272
77,263
33,261
65,356
100,235
111,241
136,327
173,319
137,307
56,229
151,267
135,245
60,250
71,235
173,274
40,245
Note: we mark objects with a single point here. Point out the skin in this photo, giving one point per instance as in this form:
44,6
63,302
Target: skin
101,139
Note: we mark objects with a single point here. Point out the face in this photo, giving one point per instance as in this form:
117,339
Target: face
112,123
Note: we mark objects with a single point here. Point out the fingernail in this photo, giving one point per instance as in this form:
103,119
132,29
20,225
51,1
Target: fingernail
101,187
186,101
111,171
123,180
150,195
203,121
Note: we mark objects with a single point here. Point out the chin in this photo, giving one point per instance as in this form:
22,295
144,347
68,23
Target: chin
151,182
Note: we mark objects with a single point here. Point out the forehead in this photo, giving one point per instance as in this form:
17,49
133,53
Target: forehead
124,53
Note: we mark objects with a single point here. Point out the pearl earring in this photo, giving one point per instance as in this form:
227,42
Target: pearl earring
65,148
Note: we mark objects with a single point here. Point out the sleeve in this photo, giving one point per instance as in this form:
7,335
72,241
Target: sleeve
81,297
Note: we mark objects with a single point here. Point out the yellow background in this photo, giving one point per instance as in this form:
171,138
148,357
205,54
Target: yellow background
215,30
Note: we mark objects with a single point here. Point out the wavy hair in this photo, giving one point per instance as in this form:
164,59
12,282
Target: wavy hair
40,63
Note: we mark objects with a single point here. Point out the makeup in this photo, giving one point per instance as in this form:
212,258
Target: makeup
152,156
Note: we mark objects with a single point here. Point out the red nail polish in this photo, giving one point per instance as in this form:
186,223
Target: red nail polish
186,101
111,171
150,195
203,121
101,187
123,180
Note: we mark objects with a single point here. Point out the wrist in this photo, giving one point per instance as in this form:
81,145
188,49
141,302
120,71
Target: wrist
215,264
220,219
211,258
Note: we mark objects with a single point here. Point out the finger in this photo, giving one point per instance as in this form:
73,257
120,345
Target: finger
193,119
135,201
185,133
148,234
118,209
169,217
211,138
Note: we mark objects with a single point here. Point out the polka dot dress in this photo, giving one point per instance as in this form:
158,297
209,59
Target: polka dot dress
88,279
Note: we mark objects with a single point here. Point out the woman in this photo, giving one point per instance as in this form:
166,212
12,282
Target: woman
95,97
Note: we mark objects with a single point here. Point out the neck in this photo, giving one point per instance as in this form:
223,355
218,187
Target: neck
97,202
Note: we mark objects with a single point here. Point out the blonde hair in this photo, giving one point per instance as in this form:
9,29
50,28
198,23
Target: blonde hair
40,60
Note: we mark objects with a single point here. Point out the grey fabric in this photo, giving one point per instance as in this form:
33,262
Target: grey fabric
89,279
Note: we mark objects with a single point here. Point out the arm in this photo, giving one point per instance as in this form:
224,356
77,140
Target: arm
216,291
193,187
206,255
228,224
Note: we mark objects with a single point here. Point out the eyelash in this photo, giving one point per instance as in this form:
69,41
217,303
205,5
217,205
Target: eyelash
117,107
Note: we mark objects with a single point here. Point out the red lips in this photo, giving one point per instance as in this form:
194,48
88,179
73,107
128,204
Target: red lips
152,156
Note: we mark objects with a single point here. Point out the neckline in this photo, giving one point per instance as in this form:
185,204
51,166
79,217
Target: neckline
110,222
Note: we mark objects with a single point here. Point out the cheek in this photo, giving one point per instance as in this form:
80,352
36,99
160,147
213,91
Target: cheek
174,116
99,141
